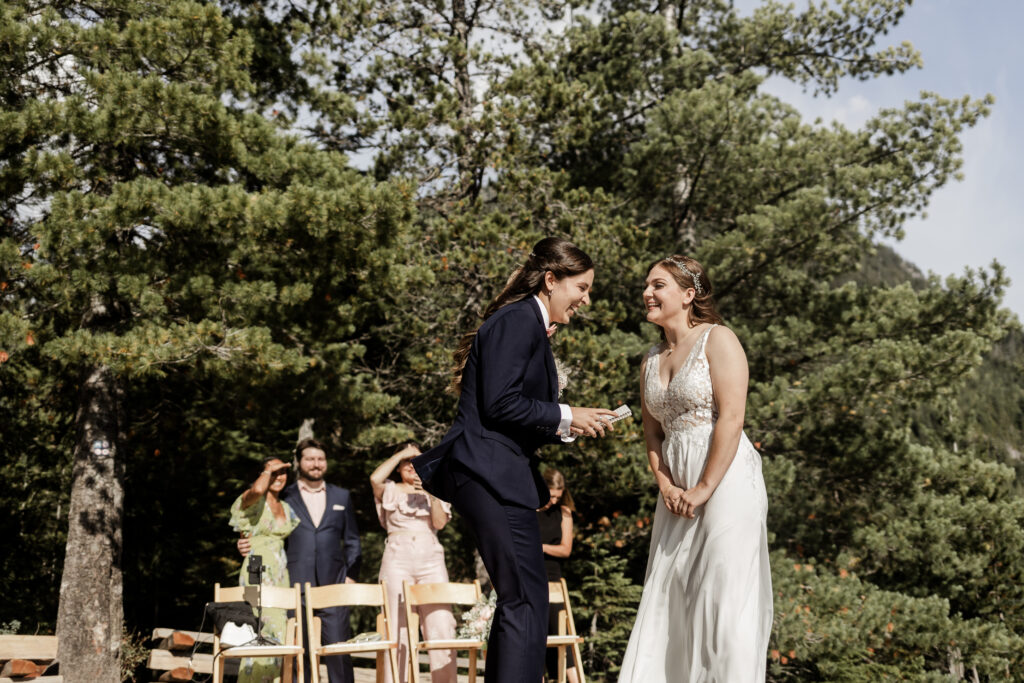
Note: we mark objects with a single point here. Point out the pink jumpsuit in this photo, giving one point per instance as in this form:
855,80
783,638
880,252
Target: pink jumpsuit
414,554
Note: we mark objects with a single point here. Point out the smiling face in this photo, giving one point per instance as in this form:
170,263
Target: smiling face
279,474
568,294
664,298
312,464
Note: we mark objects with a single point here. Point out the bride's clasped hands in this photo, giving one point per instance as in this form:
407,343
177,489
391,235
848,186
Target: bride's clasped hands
684,502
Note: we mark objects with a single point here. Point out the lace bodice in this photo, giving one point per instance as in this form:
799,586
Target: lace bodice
688,401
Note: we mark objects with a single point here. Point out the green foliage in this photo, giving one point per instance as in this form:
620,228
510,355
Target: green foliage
831,624
134,653
605,606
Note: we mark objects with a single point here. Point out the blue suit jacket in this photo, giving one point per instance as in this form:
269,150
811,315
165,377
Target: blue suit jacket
327,553
508,407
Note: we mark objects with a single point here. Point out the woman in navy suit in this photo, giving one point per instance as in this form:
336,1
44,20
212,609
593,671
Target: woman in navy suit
486,466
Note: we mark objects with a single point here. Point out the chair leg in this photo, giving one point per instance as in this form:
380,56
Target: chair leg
287,663
577,657
218,664
314,666
561,664
393,663
380,667
472,665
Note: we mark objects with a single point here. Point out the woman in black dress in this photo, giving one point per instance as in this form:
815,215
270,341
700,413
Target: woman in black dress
556,541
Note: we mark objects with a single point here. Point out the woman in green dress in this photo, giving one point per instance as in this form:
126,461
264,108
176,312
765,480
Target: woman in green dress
266,520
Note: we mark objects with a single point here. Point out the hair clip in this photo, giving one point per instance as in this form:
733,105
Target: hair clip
693,276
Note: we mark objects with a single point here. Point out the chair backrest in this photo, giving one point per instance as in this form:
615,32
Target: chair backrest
555,594
270,596
442,593
346,594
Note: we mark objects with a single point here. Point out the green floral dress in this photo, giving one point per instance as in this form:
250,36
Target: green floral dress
267,534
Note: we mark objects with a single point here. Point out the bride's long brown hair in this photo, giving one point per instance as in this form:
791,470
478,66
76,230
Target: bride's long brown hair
560,256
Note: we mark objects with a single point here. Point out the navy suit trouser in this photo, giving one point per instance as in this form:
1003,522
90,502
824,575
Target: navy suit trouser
508,537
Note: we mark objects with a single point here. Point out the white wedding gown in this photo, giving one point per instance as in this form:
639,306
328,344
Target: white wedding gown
706,611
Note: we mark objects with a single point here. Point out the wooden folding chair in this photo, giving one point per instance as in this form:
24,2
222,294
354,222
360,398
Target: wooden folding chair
352,594
558,594
290,651
438,594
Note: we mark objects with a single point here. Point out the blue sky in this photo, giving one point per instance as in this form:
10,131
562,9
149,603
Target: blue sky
969,47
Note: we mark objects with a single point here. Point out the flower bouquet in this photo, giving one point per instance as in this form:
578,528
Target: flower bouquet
476,621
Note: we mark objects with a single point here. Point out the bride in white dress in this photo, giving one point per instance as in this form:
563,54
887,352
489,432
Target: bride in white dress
706,611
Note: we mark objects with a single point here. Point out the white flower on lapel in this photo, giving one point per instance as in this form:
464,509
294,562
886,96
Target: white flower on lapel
562,374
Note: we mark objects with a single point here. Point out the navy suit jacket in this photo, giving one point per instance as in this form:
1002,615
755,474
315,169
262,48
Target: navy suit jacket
323,554
508,407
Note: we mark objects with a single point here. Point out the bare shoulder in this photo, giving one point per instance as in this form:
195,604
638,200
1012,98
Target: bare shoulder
723,343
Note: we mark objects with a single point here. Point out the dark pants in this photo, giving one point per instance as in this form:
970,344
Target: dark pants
334,628
508,538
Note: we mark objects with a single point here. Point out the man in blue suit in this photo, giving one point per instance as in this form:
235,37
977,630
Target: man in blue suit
324,548
486,463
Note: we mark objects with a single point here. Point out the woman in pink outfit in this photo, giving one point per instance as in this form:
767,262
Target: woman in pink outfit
412,518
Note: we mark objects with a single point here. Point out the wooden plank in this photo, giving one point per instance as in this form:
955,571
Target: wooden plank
163,660
28,647
41,679
161,633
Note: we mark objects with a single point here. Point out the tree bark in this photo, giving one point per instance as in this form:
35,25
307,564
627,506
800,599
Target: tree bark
90,614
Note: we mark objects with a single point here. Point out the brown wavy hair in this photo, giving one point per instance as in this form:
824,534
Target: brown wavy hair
560,256
702,308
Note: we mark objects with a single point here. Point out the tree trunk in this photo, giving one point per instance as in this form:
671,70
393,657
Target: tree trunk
90,615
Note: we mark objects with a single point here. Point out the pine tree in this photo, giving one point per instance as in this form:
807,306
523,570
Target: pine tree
154,229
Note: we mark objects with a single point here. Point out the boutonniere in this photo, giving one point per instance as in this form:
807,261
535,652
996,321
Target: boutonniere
562,374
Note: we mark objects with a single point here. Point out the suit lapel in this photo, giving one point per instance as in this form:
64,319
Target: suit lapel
549,356
549,362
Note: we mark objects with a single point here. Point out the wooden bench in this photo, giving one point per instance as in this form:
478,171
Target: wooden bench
169,659
26,658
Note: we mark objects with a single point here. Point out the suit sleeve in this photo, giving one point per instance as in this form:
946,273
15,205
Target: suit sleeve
505,348
353,550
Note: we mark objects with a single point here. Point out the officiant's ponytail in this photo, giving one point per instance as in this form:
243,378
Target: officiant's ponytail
560,256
